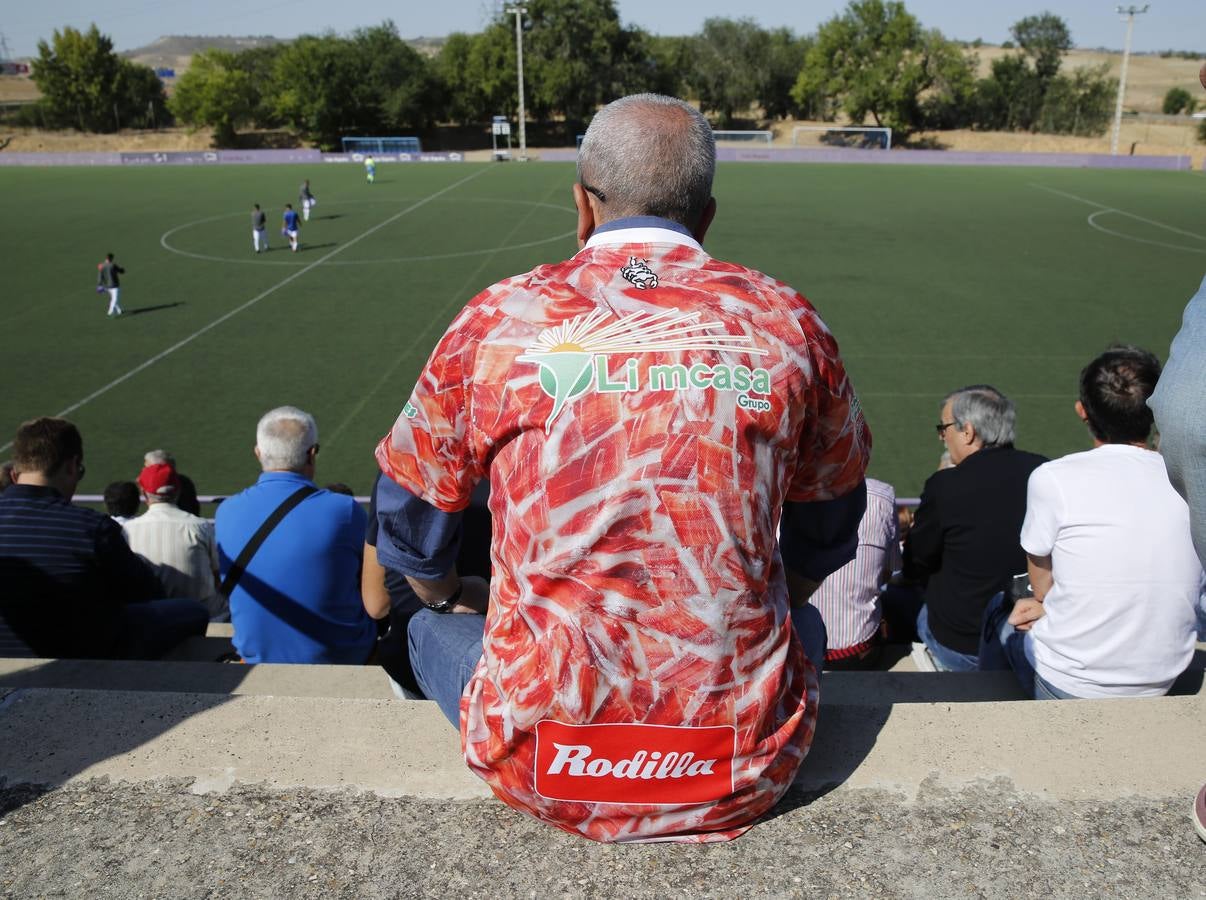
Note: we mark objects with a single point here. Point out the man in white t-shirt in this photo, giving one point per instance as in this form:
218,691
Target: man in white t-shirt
1111,561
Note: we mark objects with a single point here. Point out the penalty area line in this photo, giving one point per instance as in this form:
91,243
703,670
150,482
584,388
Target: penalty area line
163,354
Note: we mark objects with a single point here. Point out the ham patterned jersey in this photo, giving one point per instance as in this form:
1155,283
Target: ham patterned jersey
642,412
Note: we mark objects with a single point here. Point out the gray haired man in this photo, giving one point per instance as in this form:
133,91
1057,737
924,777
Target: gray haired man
294,598
963,547
647,416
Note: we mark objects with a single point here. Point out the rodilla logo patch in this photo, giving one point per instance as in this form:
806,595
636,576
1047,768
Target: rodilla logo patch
647,764
573,356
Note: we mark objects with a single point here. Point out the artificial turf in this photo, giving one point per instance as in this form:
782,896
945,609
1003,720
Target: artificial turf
930,277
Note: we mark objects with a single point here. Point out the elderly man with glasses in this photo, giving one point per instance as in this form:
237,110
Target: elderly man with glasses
963,547
290,555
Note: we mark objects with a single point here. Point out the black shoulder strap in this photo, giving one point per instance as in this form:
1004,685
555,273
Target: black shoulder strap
257,539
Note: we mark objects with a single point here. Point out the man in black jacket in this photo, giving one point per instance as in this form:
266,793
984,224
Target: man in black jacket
964,544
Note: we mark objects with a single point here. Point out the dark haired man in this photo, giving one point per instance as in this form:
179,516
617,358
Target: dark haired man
121,501
72,587
109,279
1111,562
646,416
259,229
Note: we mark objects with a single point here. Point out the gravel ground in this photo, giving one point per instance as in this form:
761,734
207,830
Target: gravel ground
99,839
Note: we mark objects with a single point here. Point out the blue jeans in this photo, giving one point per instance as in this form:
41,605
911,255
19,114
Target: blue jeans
445,649
945,659
149,630
1179,409
1003,648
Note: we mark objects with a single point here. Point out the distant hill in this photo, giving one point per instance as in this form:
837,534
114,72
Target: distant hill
175,51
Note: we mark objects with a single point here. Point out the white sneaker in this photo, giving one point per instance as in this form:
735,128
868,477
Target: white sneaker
922,659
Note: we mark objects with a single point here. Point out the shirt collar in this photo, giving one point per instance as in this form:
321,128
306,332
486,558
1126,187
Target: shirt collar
283,476
31,490
642,230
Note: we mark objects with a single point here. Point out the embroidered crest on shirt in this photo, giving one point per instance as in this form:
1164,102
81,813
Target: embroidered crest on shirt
638,272
574,357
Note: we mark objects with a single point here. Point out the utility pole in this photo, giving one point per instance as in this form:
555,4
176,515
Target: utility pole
1129,12
518,11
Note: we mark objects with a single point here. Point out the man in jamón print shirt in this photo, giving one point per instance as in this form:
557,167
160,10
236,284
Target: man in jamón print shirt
643,663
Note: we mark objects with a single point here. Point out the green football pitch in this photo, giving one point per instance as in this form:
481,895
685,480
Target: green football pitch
930,277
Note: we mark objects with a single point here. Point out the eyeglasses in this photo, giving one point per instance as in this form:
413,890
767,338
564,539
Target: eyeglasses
591,190
941,427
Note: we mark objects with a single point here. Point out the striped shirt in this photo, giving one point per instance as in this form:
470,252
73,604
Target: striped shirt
848,600
182,550
66,571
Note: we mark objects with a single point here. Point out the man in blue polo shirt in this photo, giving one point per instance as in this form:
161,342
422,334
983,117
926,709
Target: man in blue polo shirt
298,597
70,586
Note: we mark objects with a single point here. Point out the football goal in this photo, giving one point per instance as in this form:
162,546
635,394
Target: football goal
858,137
382,145
743,137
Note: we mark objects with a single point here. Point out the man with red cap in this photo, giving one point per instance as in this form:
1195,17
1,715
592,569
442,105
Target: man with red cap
179,545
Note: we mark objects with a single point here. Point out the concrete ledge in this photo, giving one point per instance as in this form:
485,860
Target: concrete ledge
1082,749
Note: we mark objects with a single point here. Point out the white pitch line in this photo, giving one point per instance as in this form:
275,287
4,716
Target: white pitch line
254,300
1121,212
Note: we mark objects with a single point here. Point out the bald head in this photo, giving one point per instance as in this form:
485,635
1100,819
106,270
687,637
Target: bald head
649,155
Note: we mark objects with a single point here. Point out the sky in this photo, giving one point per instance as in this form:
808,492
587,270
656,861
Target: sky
1168,24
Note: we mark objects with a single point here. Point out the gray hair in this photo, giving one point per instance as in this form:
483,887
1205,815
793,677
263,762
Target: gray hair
284,437
989,411
649,155
158,457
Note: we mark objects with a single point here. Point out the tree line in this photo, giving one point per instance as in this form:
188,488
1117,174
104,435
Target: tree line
871,64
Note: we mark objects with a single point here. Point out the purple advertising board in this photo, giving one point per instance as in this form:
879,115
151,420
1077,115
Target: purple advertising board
393,157
930,158
162,158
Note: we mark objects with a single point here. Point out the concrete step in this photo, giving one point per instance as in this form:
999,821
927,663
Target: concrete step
1074,750
370,682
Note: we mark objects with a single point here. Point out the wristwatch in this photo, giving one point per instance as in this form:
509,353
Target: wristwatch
447,603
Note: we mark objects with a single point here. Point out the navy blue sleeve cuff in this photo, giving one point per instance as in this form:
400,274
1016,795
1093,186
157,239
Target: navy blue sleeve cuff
413,537
816,539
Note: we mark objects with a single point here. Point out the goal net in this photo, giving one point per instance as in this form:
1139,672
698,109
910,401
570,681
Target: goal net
743,137
858,137
382,145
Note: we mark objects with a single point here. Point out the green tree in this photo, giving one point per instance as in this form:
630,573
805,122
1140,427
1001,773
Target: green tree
314,87
1177,101
875,60
1045,39
784,59
84,84
574,56
260,63
217,92
478,74
395,86
1081,104
725,69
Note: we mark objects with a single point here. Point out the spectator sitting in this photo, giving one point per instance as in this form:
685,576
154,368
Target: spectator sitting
387,593
186,496
121,501
849,599
1111,560
963,546
297,599
178,545
72,586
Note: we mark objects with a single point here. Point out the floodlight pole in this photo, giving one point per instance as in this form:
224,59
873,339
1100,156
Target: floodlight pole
518,11
1130,12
